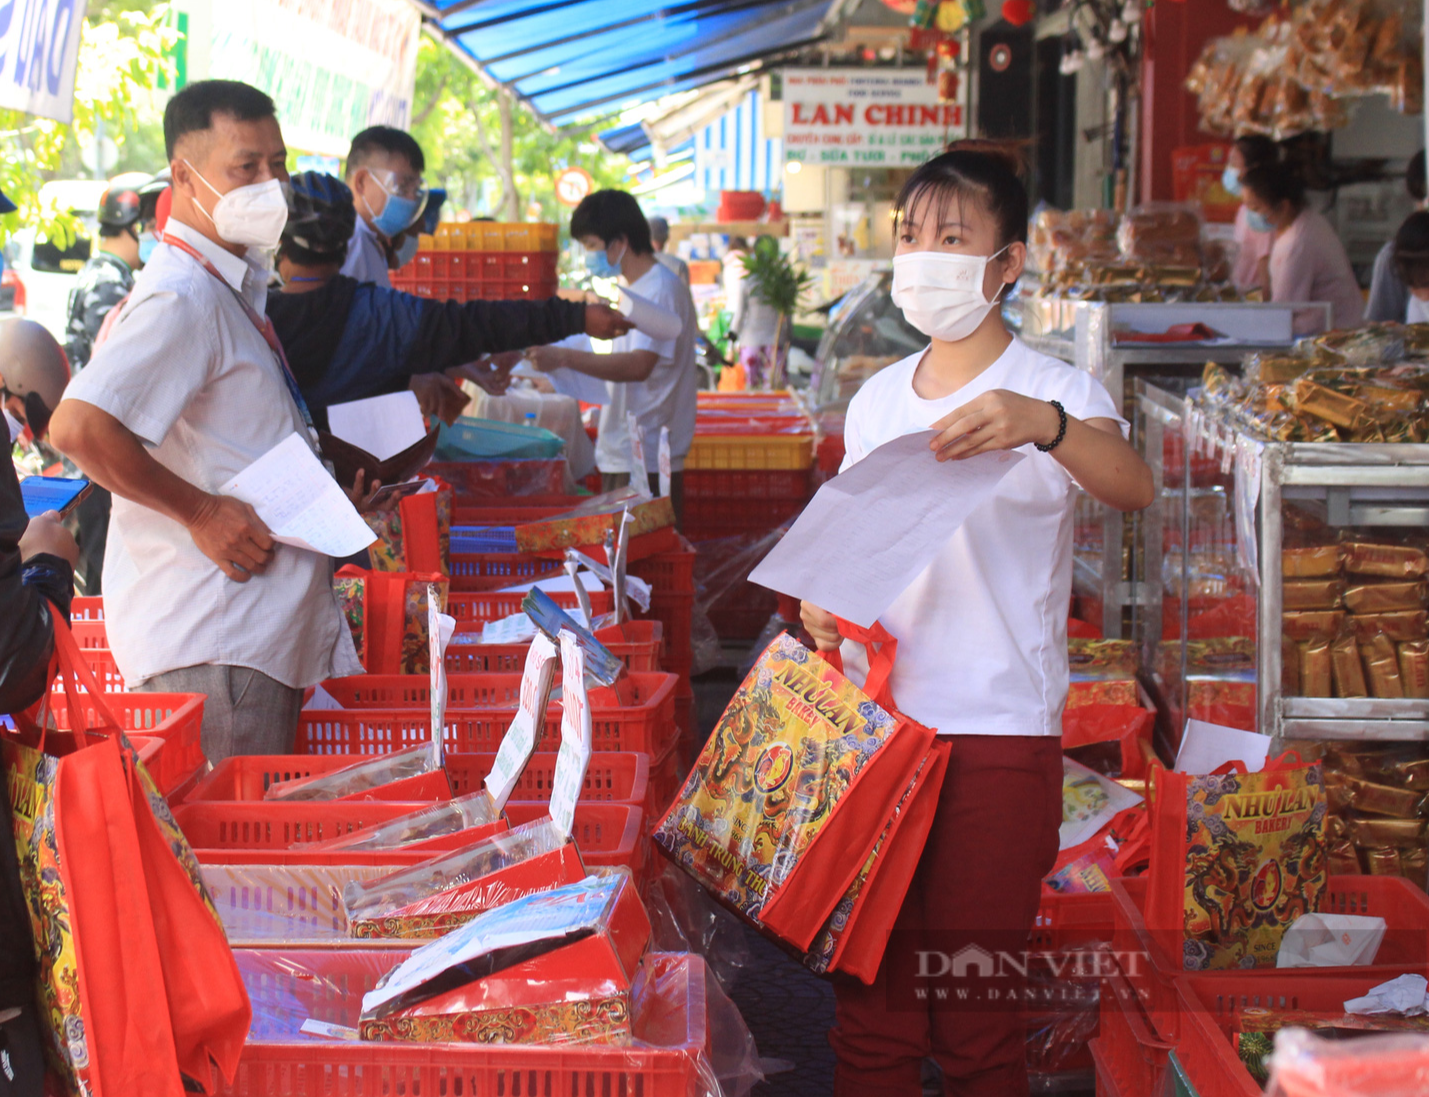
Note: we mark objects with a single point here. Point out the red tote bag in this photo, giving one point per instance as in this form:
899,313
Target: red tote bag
138,985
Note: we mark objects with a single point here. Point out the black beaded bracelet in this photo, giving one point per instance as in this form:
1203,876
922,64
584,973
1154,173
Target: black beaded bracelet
1061,429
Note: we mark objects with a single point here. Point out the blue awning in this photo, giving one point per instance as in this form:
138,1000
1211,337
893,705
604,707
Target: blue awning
572,58
627,140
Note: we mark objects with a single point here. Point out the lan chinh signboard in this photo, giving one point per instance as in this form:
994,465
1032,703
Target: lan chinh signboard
869,117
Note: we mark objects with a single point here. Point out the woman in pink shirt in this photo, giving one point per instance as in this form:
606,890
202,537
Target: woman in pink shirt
1252,245
1307,260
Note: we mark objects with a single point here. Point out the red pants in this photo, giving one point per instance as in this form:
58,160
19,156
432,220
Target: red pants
977,886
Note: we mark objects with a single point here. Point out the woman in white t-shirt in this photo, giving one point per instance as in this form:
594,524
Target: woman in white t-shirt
982,632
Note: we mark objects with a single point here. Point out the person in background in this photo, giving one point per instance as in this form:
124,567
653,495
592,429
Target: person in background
1410,257
1389,297
188,390
1307,260
37,557
1252,243
127,212
108,274
33,375
653,379
659,238
384,172
347,340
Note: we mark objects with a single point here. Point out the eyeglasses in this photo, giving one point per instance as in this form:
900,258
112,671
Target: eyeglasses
408,186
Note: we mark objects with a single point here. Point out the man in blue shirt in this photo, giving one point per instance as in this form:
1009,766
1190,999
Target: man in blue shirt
347,340
384,173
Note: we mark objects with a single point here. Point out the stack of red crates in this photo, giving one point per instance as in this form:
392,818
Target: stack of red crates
749,471
483,260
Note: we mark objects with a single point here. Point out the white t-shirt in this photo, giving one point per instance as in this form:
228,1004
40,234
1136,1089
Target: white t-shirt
664,399
982,632
1417,311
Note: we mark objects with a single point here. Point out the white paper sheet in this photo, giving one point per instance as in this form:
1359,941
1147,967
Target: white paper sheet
1089,802
568,382
574,757
870,531
1206,747
300,502
382,425
321,700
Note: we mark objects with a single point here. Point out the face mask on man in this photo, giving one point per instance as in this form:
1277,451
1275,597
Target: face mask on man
252,215
599,264
941,293
398,212
148,243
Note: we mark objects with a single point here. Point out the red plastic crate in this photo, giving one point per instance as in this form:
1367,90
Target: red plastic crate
1406,943
1129,1057
248,777
94,648
479,606
1070,920
384,713
742,611
176,718
745,484
86,608
675,612
668,1061
613,776
509,512
710,519
606,834
1208,1003
667,572
637,643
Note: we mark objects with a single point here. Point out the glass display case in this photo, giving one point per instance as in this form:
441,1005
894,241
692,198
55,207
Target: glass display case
866,332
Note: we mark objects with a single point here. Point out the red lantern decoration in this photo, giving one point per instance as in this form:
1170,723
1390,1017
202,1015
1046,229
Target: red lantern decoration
948,49
1019,12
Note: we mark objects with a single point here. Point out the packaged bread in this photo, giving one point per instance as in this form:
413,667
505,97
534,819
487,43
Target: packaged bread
1161,234
1377,799
1312,562
1387,833
1414,865
1313,594
1403,626
1322,624
1387,597
1383,674
1382,862
1345,666
1342,858
1333,407
1384,561
1316,675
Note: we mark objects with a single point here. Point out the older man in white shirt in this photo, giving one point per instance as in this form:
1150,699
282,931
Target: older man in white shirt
189,389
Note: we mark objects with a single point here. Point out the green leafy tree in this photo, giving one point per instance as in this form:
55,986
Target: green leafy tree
458,120
121,54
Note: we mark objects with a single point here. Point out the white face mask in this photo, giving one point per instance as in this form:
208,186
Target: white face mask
941,294
252,215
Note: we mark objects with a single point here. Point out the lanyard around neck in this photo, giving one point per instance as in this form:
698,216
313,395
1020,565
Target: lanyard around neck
262,323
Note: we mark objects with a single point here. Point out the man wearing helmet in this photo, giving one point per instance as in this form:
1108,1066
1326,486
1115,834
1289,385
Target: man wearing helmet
125,210
347,339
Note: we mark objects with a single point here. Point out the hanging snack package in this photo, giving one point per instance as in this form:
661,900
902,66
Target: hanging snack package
555,968
436,896
415,773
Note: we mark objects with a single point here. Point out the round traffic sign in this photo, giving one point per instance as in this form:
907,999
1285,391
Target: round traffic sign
572,185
